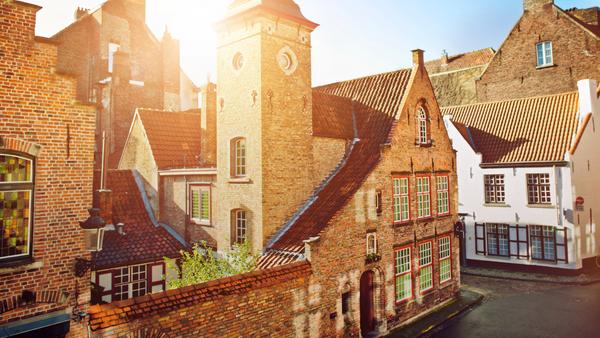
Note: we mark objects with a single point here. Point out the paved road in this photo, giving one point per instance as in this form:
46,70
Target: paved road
527,309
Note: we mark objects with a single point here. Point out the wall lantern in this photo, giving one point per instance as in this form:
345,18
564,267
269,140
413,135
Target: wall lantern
93,229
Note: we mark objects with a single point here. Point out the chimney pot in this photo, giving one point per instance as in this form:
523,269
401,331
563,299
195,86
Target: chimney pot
417,57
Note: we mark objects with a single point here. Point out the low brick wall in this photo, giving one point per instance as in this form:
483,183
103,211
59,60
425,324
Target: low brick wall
235,306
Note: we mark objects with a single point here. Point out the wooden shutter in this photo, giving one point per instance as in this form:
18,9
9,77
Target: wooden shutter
560,244
480,248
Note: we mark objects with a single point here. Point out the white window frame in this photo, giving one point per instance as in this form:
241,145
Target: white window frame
539,189
112,49
422,127
494,189
403,269
239,158
202,188
423,197
401,199
443,195
127,287
240,219
545,53
372,249
425,266
445,257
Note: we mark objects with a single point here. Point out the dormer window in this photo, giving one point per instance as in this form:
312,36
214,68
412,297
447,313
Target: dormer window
544,54
422,127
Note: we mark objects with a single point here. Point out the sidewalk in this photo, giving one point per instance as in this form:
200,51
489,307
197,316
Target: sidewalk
465,301
586,278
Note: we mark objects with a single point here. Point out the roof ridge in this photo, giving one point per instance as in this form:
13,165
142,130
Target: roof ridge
464,53
510,100
362,78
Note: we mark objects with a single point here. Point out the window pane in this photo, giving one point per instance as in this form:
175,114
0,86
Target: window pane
425,278
445,270
205,215
540,54
403,287
15,214
195,204
14,169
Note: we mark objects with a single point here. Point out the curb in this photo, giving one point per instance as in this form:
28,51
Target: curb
574,283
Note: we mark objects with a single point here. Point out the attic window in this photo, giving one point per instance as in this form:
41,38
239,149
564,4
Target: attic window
544,54
422,125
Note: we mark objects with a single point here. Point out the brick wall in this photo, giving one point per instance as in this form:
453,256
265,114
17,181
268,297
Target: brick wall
40,116
457,87
235,306
512,73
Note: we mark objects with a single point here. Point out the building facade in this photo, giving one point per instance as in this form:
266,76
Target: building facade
120,66
46,169
525,168
547,52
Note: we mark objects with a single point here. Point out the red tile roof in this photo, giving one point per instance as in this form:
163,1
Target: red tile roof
121,312
538,129
174,137
375,102
332,116
461,61
143,242
581,14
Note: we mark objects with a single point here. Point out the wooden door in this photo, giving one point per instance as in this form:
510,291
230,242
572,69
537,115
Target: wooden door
367,308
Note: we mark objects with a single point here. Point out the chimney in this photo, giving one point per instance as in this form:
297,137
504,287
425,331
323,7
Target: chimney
417,57
171,71
120,227
588,98
81,12
444,58
534,5
104,202
208,109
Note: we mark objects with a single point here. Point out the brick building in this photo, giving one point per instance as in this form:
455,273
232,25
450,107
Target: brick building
120,65
46,169
547,52
349,190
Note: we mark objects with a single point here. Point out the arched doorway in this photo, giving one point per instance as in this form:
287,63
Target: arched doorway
367,304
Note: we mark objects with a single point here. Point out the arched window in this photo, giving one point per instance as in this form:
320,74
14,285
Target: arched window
16,201
422,125
239,227
238,157
372,244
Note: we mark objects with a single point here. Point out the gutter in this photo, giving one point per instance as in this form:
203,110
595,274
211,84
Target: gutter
525,164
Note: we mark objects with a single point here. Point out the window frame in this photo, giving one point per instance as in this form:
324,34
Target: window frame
129,283
238,170
542,238
202,187
494,188
400,196
111,55
544,54
430,264
428,177
234,226
447,191
448,258
538,189
379,202
28,186
496,235
409,272
423,137
372,235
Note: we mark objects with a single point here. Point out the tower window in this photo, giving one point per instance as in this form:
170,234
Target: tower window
422,125
544,54
238,157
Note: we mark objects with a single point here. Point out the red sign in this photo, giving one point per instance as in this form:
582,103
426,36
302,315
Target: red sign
579,200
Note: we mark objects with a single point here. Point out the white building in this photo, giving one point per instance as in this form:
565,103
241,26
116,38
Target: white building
528,177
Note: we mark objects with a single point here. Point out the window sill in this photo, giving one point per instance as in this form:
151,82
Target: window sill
425,219
541,206
545,66
424,145
402,224
442,216
242,180
496,205
20,266
200,223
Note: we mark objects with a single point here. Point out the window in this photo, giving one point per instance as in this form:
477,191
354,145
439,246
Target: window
345,302
16,201
129,282
497,239
443,203
378,202
538,188
425,267
240,227
445,252
372,244
403,274
401,200
200,204
423,133
543,242
112,49
423,197
494,189
238,160
544,54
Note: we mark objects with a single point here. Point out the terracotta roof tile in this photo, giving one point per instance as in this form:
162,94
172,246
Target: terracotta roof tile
105,316
332,116
174,137
461,61
142,242
375,103
537,129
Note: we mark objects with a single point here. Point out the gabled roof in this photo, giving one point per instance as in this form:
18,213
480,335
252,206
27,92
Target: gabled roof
143,242
528,130
332,116
375,102
461,61
174,137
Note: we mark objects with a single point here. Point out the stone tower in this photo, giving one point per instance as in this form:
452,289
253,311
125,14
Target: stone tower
265,100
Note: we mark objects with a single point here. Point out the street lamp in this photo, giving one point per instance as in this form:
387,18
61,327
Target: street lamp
93,229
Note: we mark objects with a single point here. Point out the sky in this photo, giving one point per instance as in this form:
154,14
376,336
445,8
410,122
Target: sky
355,38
